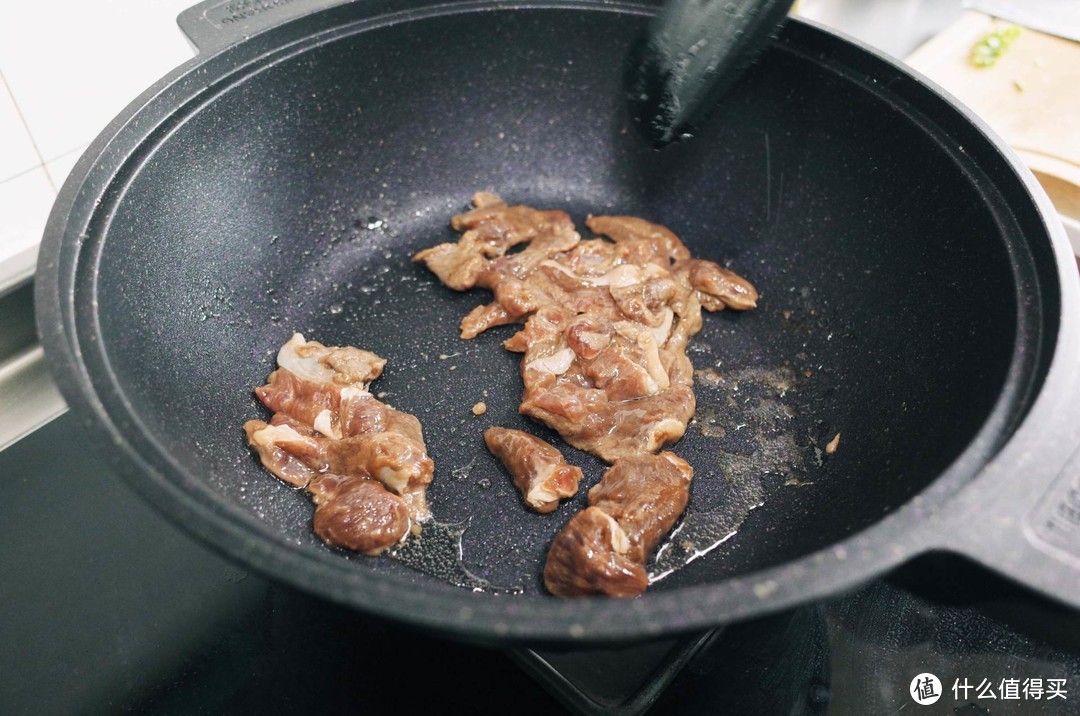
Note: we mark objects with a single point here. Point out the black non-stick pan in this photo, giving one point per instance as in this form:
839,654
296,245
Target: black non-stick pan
918,298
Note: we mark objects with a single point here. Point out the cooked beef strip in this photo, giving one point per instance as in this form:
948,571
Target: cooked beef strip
327,389
364,463
588,557
637,502
646,495
604,392
345,367
539,470
357,513
491,229
607,322
270,441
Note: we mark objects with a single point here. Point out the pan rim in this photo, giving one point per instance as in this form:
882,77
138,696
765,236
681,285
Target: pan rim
866,553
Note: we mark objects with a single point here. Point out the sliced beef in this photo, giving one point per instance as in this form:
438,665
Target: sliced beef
606,320
646,495
603,549
364,463
588,557
357,513
539,470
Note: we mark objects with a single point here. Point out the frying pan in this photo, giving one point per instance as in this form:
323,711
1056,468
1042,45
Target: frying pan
918,298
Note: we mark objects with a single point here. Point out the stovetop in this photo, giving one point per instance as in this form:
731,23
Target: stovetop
105,608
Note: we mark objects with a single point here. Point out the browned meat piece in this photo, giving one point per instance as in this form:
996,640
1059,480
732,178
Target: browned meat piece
607,323
598,388
501,227
718,287
285,393
646,302
490,230
357,513
365,414
344,367
397,460
603,549
269,441
656,242
646,495
324,387
364,463
540,471
588,557
482,318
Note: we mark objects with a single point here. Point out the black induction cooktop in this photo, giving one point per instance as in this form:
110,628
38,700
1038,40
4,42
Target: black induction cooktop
107,608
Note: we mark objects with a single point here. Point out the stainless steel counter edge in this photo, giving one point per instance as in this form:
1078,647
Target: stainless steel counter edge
28,396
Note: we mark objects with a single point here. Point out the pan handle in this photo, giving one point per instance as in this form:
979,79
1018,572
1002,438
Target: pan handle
1021,516
214,24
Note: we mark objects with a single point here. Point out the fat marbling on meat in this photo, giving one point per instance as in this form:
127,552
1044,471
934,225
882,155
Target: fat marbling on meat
646,495
364,463
539,470
606,320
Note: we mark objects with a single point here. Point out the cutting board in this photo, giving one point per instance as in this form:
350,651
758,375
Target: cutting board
1030,96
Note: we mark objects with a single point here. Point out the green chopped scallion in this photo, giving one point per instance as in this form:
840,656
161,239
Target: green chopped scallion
991,46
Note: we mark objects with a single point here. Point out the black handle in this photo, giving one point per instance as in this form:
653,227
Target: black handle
214,24
1021,516
692,52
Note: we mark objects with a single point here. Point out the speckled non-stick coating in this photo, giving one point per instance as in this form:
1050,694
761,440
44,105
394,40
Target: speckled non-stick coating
270,190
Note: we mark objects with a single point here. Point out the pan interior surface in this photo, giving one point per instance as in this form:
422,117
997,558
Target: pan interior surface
292,197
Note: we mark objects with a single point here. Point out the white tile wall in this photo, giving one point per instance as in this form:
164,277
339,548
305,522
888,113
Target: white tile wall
17,153
67,67
24,203
60,167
